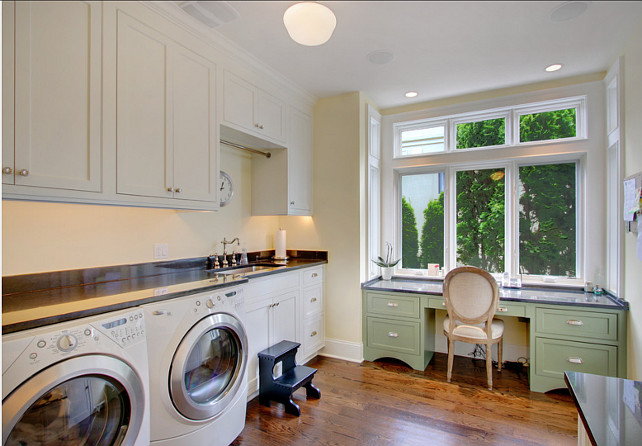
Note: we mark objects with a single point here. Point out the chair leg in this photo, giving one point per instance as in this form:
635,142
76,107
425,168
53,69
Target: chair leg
489,365
500,347
451,358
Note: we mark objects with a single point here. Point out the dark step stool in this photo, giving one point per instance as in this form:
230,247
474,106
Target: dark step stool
294,376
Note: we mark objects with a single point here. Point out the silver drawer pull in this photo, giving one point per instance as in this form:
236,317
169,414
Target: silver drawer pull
502,309
393,304
314,274
574,322
314,299
575,360
392,334
314,333
443,304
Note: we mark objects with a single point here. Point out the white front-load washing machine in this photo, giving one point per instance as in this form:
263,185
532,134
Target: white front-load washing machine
197,349
82,382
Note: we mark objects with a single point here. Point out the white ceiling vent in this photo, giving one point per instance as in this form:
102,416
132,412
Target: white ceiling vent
212,13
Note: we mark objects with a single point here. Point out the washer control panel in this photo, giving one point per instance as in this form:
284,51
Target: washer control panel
231,298
126,329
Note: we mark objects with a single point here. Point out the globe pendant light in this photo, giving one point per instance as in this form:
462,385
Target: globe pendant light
309,23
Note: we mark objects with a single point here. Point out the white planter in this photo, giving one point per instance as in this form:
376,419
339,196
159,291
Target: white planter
386,273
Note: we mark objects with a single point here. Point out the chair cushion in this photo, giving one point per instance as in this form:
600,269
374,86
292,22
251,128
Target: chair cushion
497,329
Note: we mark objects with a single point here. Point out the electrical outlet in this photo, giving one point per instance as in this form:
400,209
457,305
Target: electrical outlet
161,251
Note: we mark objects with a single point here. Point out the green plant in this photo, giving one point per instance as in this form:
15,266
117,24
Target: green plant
388,262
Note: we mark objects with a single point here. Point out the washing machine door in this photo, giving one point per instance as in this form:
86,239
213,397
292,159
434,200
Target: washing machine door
209,367
85,400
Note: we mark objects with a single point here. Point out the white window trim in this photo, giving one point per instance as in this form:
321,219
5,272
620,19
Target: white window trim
578,103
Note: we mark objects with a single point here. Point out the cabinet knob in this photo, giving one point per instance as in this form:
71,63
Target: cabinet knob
573,360
502,309
314,333
393,304
258,126
314,299
24,172
178,190
169,189
291,203
392,334
574,322
7,170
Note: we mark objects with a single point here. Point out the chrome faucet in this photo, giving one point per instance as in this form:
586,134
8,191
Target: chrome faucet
225,243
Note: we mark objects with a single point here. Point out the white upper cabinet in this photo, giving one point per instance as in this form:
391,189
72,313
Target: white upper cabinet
300,167
165,118
57,93
248,108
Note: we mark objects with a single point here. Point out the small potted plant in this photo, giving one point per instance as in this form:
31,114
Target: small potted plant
387,265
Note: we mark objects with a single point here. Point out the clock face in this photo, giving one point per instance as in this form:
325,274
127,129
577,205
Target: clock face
226,188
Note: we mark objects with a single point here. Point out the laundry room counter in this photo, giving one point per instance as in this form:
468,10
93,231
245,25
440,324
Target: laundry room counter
35,300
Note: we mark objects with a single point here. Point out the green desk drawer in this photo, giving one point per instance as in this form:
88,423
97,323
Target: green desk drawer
504,309
554,356
398,336
393,305
585,324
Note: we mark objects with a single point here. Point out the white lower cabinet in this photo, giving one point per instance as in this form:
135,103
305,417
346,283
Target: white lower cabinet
275,308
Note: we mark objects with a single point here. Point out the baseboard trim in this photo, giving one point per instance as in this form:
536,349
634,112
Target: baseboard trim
338,349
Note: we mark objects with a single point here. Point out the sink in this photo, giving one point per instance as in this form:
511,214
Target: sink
251,269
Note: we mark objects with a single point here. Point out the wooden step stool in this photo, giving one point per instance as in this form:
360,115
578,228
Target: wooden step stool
294,376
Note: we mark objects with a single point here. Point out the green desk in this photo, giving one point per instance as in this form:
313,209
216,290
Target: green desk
568,330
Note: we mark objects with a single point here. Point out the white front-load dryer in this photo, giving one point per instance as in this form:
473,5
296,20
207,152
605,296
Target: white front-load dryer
197,349
83,382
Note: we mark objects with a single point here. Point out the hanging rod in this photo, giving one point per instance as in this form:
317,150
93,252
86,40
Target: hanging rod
247,149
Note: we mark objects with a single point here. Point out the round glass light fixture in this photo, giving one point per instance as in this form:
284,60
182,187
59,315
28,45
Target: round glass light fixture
309,23
554,67
411,94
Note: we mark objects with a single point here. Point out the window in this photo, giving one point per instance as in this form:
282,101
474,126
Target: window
422,220
421,139
547,219
490,132
548,125
480,218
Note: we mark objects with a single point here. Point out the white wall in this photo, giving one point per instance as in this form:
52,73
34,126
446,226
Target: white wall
633,163
38,237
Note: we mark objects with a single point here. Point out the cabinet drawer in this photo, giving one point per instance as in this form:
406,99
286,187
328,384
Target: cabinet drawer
390,305
554,356
583,324
312,301
399,336
504,308
312,276
314,334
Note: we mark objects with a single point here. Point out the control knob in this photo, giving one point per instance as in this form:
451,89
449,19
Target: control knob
67,342
209,303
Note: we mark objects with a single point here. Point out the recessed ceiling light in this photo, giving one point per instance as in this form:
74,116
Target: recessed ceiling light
554,67
380,57
411,94
568,11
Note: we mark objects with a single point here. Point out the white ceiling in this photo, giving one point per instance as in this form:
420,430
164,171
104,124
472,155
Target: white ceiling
441,49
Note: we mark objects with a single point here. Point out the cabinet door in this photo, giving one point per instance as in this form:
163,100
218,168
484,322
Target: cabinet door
142,157
8,9
284,318
300,169
256,326
239,99
193,130
58,95
270,116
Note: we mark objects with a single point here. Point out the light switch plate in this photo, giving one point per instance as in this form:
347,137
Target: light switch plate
161,251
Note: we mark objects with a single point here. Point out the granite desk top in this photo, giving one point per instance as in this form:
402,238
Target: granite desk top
36,300
543,295
609,407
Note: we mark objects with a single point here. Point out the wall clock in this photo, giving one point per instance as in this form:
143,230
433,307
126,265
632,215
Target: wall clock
226,188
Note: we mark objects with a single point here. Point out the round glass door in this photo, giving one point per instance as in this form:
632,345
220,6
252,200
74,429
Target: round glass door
88,400
88,410
208,367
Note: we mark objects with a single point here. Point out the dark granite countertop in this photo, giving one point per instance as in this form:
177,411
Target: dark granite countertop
609,407
543,295
35,300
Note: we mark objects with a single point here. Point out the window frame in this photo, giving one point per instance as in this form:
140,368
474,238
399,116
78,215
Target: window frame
578,103
399,128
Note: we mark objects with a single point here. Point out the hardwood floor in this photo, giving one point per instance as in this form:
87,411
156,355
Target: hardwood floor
388,403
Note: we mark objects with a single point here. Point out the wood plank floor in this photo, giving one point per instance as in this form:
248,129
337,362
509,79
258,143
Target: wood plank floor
388,403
